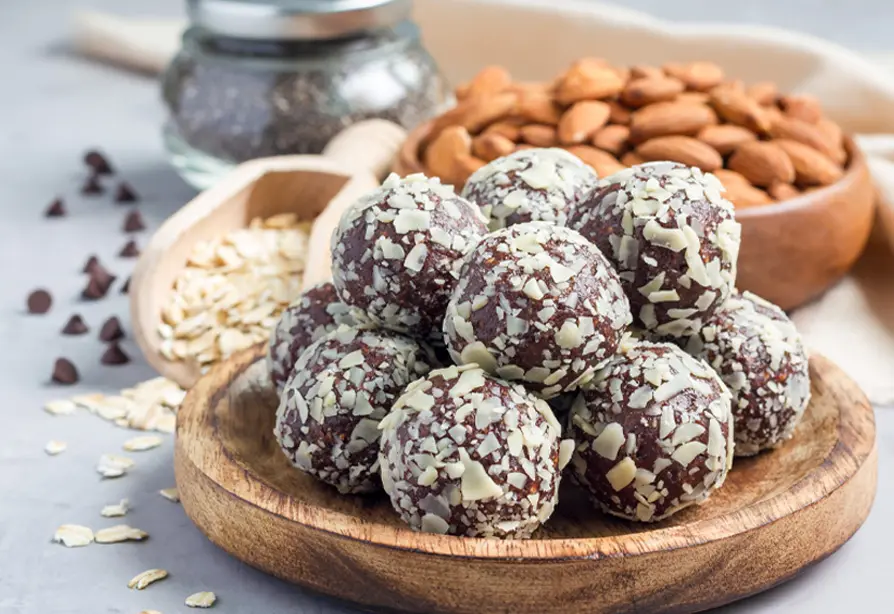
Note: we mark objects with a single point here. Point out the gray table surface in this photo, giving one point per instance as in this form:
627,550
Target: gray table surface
52,107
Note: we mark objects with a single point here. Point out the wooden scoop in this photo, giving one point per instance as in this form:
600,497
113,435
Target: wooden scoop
316,187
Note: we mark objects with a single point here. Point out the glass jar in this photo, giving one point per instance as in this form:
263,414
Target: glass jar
258,78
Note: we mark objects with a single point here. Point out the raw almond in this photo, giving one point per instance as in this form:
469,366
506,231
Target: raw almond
612,139
602,162
539,109
441,156
490,80
465,166
738,108
588,81
727,176
764,92
669,118
834,137
631,158
811,167
783,191
642,71
619,113
539,135
698,76
507,129
648,90
744,195
794,129
693,97
683,149
726,137
581,121
481,112
762,163
523,146
802,107
490,146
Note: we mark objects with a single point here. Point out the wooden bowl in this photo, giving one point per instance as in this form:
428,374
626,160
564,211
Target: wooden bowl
792,251
777,514
317,188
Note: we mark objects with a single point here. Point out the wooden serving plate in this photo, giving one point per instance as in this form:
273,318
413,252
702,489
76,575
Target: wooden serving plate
791,251
316,187
777,514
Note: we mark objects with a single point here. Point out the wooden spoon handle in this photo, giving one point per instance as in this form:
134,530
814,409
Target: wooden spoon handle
367,147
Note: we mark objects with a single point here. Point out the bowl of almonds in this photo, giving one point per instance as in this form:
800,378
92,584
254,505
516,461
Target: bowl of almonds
800,187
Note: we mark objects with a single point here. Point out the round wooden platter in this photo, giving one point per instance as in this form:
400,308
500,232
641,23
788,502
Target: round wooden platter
777,514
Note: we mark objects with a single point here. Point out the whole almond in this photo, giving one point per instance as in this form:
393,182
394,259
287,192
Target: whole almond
582,120
619,113
588,81
667,118
744,195
529,88
693,97
442,154
763,92
642,71
461,91
539,135
602,162
727,177
539,108
794,129
783,191
465,166
683,149
631,158
483,111
738,108
523,146
490,80
612,139
490,146
834,138
811,167
507,129
648,90
802,107
762,163
698,76
725,137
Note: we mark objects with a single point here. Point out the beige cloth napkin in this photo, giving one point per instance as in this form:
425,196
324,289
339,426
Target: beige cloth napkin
853,323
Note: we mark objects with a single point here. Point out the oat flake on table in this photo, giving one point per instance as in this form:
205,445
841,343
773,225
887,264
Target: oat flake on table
171,494
73,535
144,579
204,599
119,533
113,465
116,510
54,447
142,443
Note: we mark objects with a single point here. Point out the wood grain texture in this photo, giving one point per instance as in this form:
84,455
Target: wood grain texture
317,188
777,513
792,251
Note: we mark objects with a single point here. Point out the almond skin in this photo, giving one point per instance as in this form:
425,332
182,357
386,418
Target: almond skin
649,90
642,71
631,158
738,108
619,113
441,157
725,138
794,129
764,92
465,166
811,167
683,149
602,162
727,176
588,81
582,120
762,163
669,118
834,138
612,139
698,76
482,112
539,135
783,191
802,107
538,108
744,195
693,97
507,129
490,146
490,80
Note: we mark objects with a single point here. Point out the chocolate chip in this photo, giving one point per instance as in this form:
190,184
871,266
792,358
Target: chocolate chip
64,372
39,301
98,163
92,262
98,284
125,193
134,222
114,355
92,186
75,326
125,288
111,330
130,250
56,209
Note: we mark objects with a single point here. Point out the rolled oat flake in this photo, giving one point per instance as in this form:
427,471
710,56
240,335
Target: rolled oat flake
259,78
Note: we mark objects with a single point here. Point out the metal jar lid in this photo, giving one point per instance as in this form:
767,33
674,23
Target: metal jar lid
295,19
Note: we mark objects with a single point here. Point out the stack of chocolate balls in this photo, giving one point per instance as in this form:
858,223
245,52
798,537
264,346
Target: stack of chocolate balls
471,346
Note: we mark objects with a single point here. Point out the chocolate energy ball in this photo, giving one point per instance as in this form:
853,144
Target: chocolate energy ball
316,313
538,304
672,237
327,423
467,454
653,433
531,184
396,252
758,354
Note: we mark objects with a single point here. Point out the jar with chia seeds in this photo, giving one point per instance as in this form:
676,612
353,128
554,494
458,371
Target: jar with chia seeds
257,78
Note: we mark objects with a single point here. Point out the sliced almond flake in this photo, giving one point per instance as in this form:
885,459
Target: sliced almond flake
60,407
120,533
54,447
142,443
113,465
171,494
204,599
73,535
116,510
144,579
